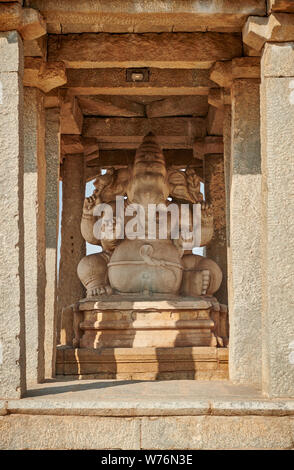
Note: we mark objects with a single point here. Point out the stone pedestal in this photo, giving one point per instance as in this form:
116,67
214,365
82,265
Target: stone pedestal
148,339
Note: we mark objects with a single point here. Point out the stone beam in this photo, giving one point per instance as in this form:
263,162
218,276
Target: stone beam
125,17
166,50
110,106
286,6
179,158
161,82
43,75
278,27
27,21
71,116
208,146
170,131
178,106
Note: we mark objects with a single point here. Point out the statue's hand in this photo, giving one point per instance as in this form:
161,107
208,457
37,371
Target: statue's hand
89,204
206,212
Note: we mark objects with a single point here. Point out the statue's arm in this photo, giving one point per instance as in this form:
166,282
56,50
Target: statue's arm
88,221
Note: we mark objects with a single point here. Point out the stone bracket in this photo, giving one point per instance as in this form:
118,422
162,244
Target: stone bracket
27,21
44,75
278,27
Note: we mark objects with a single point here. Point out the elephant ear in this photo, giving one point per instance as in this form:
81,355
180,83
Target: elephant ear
178,187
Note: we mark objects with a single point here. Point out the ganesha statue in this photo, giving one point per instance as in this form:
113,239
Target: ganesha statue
150,253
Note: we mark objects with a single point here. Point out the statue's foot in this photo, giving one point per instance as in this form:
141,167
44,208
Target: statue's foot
101,290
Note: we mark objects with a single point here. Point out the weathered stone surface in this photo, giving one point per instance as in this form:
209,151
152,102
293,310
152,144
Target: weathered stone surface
73,247
32,24
12,314
11,51
161,82
178,106
215,195
143,363
43,75
276,27
214,121
245,235
278,231
246,67
227,142
110,16
36,47
71,116
217,432
65,432
27,21
221,73
207,146
278,60
34,225
110,106
280,5
52,99
52,212
166,50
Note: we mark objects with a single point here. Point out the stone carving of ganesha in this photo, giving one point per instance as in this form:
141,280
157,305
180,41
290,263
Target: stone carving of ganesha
134,262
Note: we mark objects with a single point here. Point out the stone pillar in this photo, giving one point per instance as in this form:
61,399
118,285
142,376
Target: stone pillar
12,305
52,221
227,172
73,246
215,195
277,138
34,225
245,234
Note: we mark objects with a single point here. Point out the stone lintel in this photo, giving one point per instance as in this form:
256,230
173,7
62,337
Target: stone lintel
278,27
27,21
126,17
165,50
